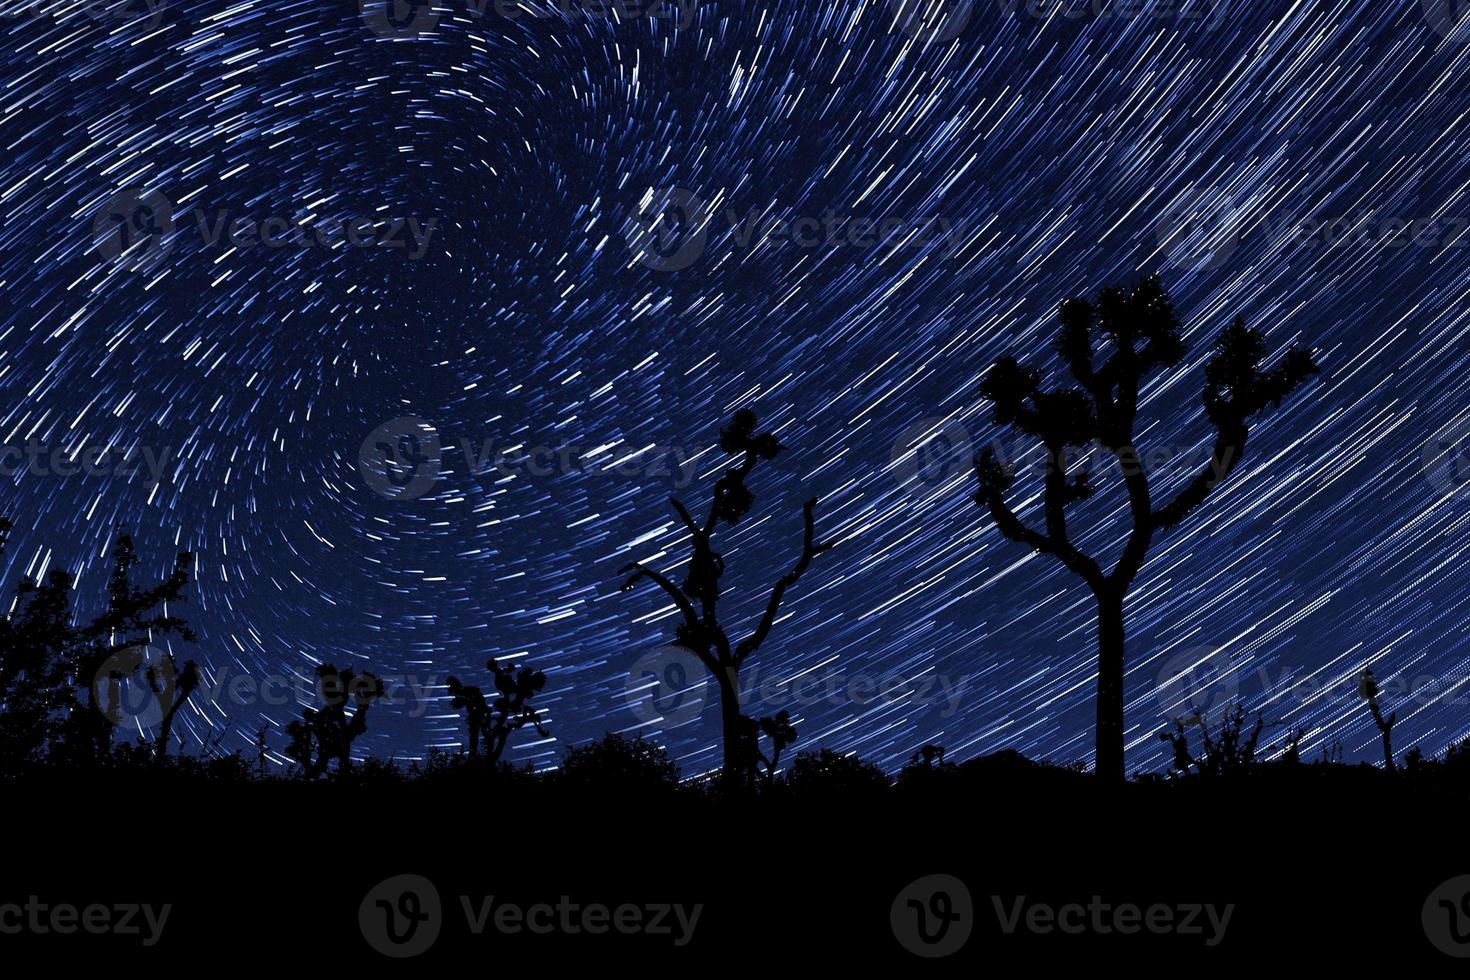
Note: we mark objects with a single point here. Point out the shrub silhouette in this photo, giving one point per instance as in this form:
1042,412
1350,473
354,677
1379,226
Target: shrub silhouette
1138,331
495,721
1232,749
326,733
828,773
620,765
698,597
1368,689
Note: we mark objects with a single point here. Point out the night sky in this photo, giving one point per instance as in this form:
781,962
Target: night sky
1301,165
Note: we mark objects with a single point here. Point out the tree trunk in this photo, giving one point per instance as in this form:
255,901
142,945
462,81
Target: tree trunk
1109,765
730,776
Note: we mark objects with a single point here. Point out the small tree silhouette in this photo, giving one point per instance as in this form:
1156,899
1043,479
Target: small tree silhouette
110,648
324,734
697,599
778,729
1368,689
1139,332
495,721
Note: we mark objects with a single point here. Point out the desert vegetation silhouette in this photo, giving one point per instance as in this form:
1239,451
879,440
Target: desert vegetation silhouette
697,598
69,681
1112,346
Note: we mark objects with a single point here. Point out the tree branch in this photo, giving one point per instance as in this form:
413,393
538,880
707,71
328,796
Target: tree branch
809,550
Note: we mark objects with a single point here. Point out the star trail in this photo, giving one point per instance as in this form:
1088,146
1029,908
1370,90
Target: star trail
571,239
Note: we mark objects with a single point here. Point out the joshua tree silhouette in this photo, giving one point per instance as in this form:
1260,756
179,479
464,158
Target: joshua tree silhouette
1368,688
494,721
701,631
324,734
1138,331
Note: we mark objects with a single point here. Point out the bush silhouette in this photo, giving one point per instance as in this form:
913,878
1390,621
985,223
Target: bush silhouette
828,773
619,765
1136,332
698,597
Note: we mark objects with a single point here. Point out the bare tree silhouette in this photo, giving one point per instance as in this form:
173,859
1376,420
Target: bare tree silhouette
1368,688
495,721
698,597
1138,331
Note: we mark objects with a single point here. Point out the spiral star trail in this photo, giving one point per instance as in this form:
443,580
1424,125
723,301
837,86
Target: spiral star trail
356,217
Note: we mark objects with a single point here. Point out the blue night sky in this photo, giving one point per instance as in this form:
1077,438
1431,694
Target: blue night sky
875,208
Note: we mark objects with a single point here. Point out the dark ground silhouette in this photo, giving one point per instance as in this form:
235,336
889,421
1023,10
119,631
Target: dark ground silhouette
786,837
